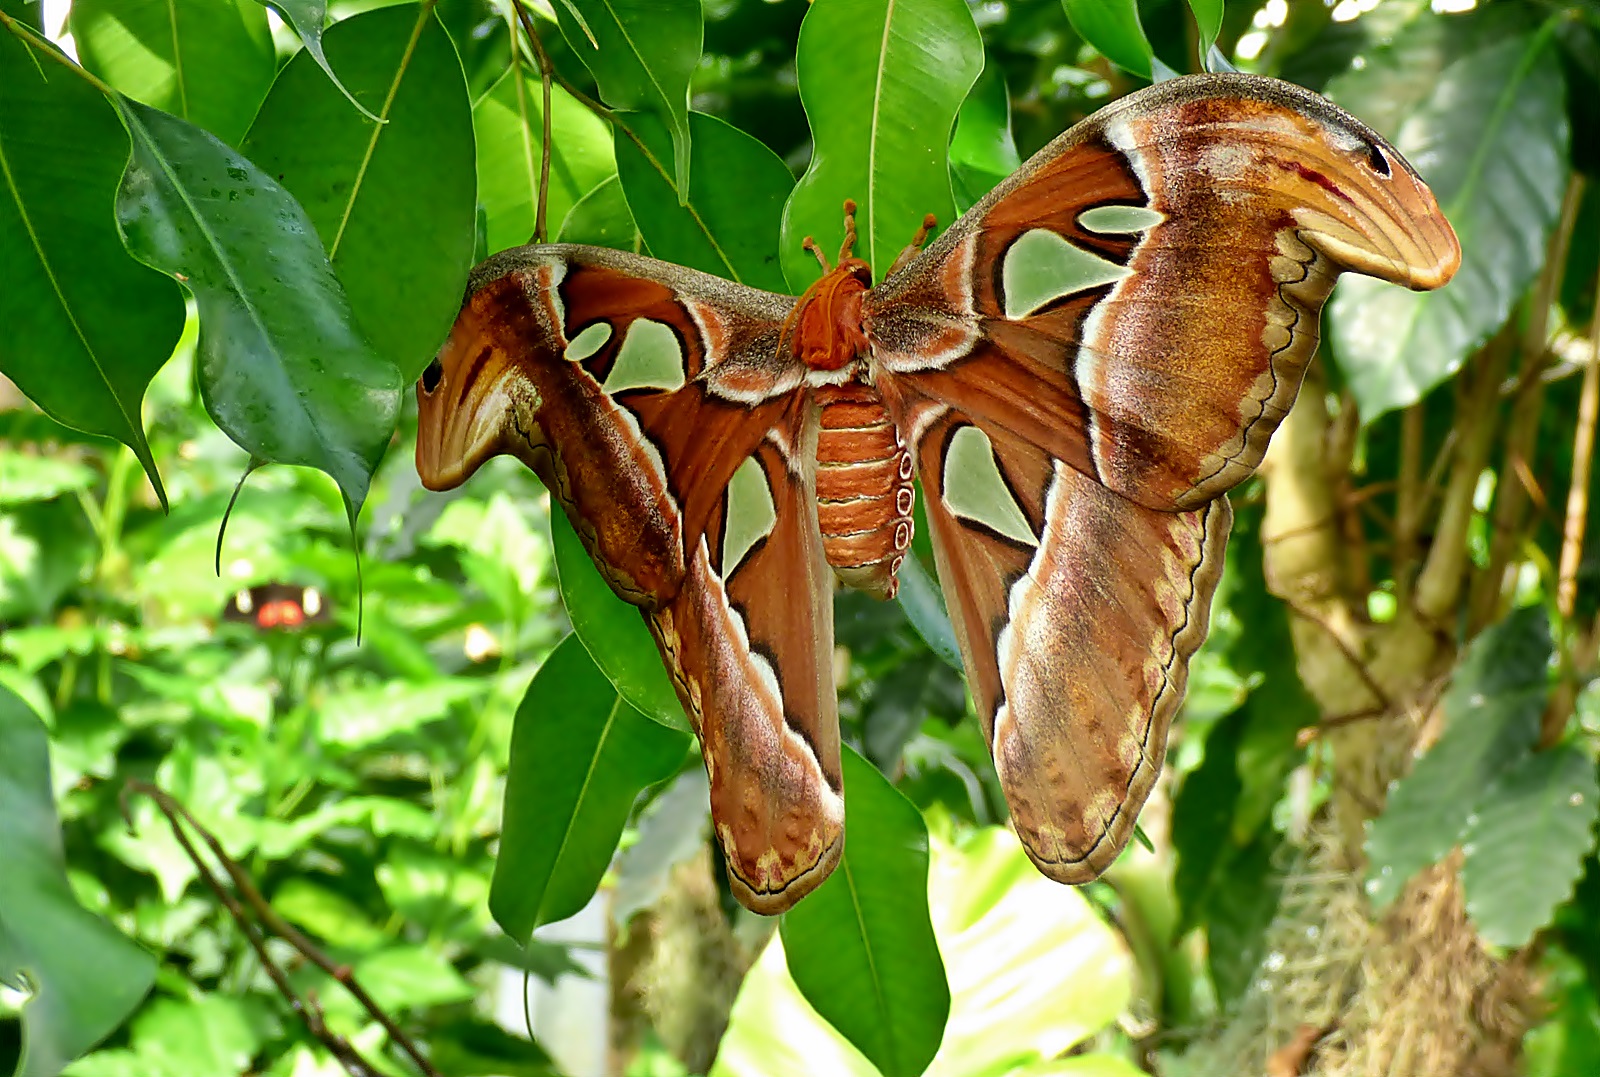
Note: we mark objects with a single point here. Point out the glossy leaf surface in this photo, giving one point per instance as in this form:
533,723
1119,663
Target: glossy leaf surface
393,203
861,947
206,61
881,83
307,17
283,369
580,754
1114,29
88,327
729,222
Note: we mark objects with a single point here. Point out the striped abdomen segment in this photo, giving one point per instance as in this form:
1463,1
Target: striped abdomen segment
864,493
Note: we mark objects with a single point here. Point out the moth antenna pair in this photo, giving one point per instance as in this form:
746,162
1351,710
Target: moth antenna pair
847,248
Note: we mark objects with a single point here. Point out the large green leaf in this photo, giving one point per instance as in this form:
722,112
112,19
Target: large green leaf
1492,709
881,83
86,326
861,947
602,218
85,977
612,630
642,53
283,369
508,123
728,224
1113,28
1034,973
393,202
1492,140
1525,844
580,754
207,61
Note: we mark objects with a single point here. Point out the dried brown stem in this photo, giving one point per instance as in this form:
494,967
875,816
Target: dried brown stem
177,817
1578,492
1510,520
1444,570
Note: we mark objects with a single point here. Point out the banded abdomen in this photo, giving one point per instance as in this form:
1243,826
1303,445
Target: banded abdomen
864,492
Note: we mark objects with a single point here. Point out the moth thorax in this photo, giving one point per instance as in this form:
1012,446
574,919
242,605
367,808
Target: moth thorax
864,492
825,327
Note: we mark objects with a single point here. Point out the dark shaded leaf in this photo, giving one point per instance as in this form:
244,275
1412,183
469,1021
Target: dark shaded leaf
393,203
861,946
283,370
206,61
580,754
84,975
881,83
728,221
1492,713
1526,841
87,326
1240,911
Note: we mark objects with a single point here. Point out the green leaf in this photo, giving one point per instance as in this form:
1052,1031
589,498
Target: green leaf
1113,28
283,369
642,53
393,203
206,61
728,221
85,977
308,18
1525,844
1492,709
861,947
40,478
1241,909
1202,821
983,151
509,127
601,218
369,715
412,977
881,83
1208,23
87,326
580,754
1035,973
612,630
672,829
210,1036
923,603
1492,140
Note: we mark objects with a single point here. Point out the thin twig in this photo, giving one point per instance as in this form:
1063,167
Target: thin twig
546,72
176,815
1407,508
176,812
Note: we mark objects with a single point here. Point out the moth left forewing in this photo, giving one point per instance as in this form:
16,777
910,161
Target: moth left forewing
749,642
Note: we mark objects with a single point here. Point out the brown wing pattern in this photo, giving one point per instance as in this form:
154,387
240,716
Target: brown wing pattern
1083,365
749,641
650,400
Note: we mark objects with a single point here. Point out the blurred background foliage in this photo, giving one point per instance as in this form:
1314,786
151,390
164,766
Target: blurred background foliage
1401,583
